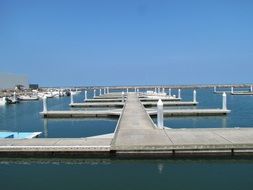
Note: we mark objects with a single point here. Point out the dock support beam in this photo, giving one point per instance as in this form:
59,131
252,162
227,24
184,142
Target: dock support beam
44,99
160,114
224,101
179,93
194,96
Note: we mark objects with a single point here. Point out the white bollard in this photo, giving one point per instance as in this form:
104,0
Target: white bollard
94,93
169,91
179,93
160,114
224,101
44,99
85,95
123,99
194,96
71,98
232,89
100,92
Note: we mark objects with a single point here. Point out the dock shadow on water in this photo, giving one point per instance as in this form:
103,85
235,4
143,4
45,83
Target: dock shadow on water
126,174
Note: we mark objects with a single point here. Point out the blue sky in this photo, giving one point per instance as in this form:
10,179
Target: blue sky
125,42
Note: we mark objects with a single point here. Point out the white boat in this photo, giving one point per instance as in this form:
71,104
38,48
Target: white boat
76,92
28,97
3,101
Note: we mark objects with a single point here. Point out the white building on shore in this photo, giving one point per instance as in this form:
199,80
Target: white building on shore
8,81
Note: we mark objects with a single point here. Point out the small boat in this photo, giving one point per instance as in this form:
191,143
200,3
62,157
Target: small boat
12,100
28,98
3,101
18,135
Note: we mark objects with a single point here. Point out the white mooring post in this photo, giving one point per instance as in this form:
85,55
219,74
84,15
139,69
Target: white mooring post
71,98
160,114
179,93
194,96
224,101
14,97
214,88
44,99
251,88
94,93
232,89
169,91
122,96
85,95
100,92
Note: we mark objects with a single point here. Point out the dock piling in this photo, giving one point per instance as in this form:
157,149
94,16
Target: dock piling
251,88
214,88
194,96
85,95
160,114
169,91
14,97
44,99
71,98
179,93
94,96
123,99
232,89
224,101
100,92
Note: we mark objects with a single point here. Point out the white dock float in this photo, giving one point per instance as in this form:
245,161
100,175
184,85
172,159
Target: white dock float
191,112
98,104
81,114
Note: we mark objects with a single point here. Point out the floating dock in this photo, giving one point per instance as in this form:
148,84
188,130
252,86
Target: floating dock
136,136
242,93
81,114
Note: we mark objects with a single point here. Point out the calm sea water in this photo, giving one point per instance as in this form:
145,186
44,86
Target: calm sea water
127,174
124,174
